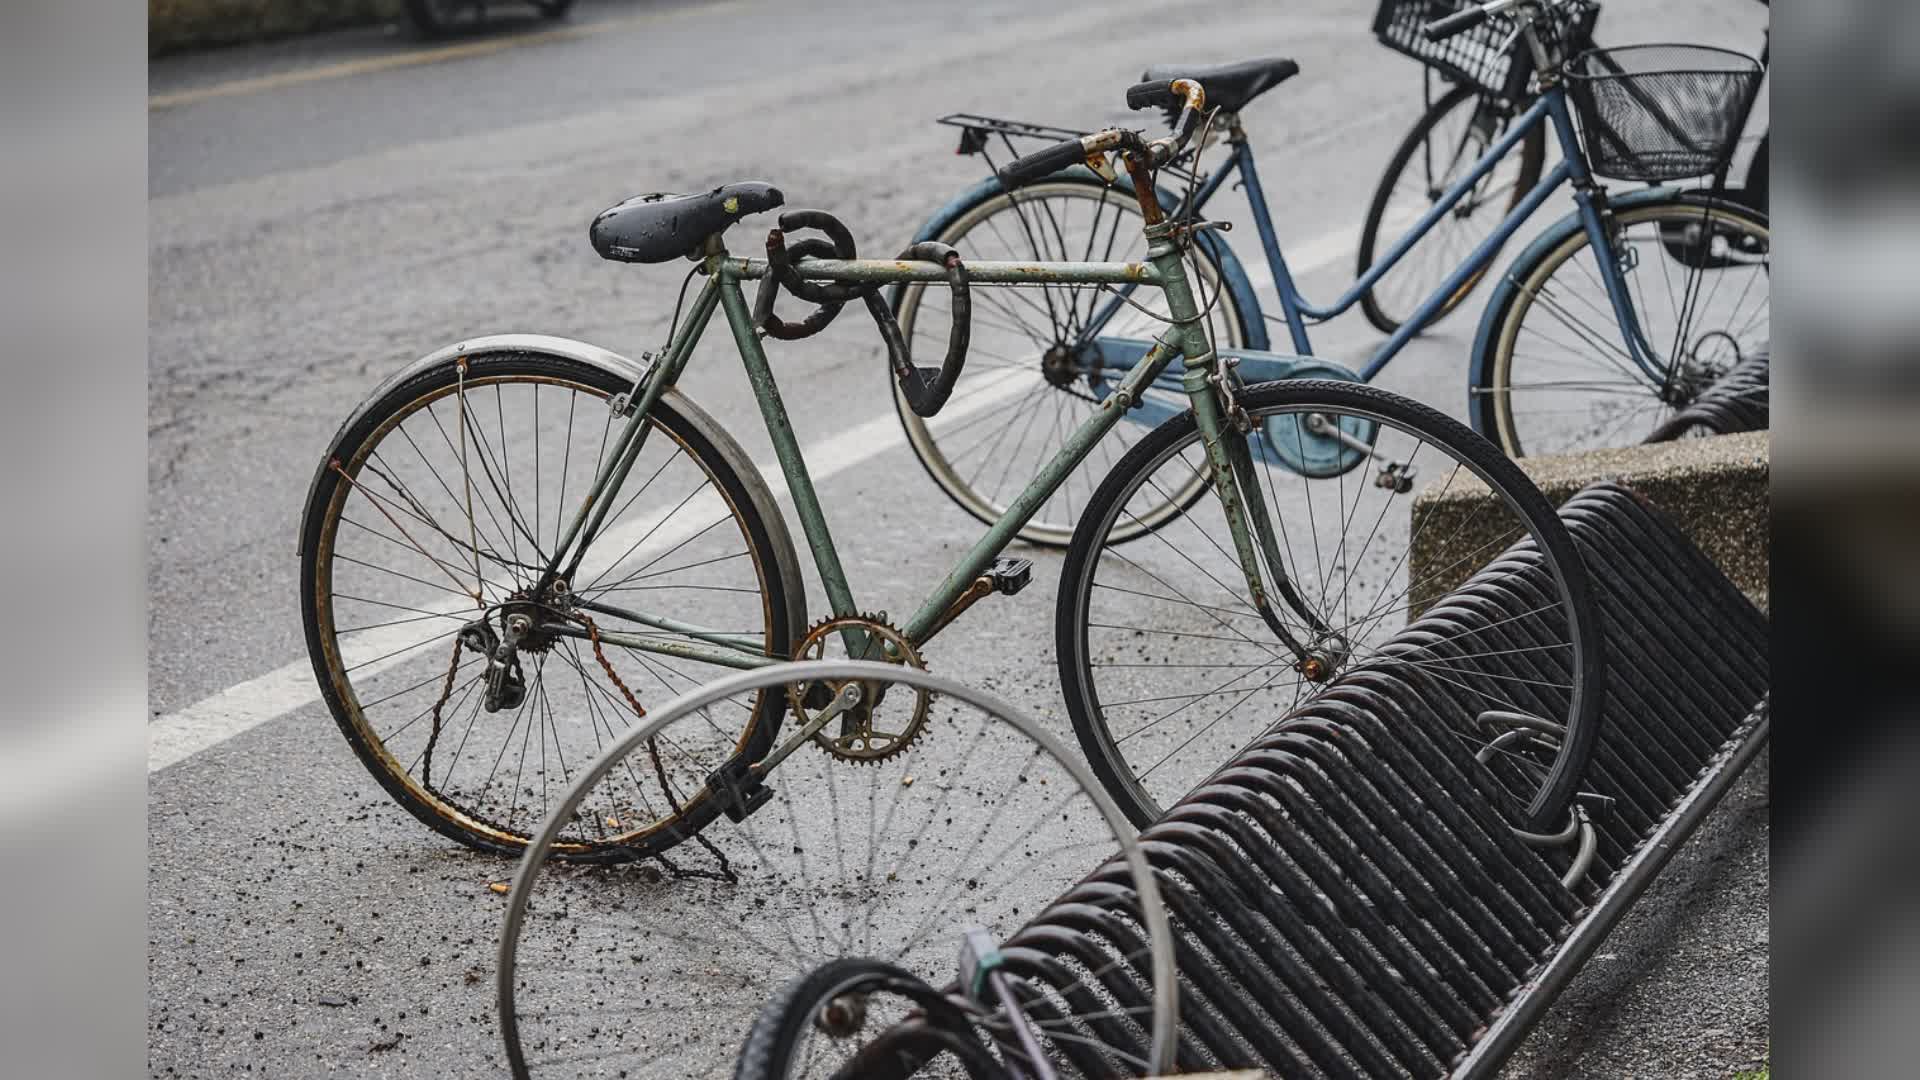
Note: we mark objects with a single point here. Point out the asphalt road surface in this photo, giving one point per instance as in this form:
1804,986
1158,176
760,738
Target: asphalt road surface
324,210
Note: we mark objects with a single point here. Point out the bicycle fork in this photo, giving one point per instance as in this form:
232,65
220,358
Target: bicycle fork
1230,462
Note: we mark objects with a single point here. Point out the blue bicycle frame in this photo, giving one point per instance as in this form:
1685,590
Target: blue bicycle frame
1549,108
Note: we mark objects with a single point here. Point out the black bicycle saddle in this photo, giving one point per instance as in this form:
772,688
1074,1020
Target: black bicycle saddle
661,227
1229,86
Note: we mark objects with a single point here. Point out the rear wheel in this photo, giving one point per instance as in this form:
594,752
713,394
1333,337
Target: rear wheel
425,536
1441,149
553,9
1029,384
1169,671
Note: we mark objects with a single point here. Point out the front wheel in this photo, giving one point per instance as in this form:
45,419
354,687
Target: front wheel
424,540
1441,149
1169,671
1553,374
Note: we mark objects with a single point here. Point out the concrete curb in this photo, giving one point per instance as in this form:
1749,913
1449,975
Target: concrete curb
1716,489
173,25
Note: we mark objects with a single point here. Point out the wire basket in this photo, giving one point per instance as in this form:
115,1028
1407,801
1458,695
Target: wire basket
1491,56
1652,113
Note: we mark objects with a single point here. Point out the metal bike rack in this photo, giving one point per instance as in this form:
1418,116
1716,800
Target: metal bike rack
1348,897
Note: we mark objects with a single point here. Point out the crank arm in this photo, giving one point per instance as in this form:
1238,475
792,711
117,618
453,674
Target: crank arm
847,698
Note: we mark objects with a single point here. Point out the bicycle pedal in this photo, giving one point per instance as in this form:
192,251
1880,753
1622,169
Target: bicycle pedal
737,790
1009,575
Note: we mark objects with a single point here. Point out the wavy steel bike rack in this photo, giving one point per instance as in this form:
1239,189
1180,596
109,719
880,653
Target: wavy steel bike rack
1348,898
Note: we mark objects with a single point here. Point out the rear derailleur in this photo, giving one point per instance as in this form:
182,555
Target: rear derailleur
506,686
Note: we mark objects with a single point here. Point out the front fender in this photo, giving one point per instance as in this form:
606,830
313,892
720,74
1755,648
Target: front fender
594,355
1255,328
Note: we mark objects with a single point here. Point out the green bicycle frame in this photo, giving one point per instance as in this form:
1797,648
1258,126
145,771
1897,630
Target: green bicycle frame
1184,337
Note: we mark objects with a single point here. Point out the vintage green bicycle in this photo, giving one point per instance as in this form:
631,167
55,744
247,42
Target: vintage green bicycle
517,541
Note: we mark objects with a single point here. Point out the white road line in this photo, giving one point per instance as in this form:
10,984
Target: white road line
177,736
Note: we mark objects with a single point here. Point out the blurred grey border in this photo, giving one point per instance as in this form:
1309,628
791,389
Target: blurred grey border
1846,574
1846,579
72,524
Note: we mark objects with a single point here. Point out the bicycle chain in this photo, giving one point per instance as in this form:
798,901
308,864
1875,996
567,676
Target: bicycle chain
725,872
446,691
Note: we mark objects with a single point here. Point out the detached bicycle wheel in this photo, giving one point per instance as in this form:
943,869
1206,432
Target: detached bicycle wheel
424,539
1442,149
1029,381
804,938
1170,671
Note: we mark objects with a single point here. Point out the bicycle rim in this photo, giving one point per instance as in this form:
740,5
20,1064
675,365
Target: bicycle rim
979,822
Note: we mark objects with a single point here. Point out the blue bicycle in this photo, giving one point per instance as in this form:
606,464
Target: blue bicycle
1616,316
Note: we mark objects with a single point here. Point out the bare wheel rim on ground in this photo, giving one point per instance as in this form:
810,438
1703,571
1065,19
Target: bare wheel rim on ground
660,968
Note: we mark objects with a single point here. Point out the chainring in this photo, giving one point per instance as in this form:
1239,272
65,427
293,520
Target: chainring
859,739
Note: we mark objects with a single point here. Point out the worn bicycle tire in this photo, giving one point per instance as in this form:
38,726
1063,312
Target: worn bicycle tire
1109,763
1533,150
703,439
1490,370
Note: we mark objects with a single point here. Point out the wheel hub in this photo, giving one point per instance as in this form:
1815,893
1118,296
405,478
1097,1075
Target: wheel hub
1060,365
1325,659
524,616
843,1017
